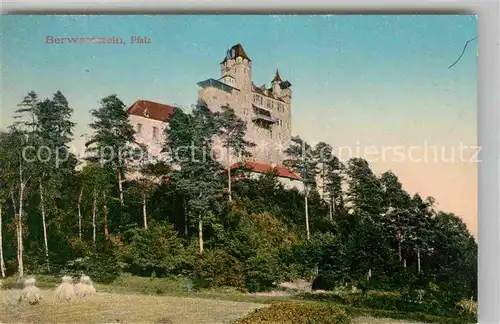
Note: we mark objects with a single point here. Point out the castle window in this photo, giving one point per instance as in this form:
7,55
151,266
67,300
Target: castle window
257,99
155,133
139,129
269,104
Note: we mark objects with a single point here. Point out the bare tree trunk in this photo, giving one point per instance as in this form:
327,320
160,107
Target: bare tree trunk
229,176
322,180
16,214
80,214
144,212
418,260
20,264
185,217
200,234
94,211
2,263
331,211
307,215
399,251
404,263
120,186
44,225
105,211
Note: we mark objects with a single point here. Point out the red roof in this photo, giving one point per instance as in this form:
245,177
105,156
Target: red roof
152,110
236,51
264,168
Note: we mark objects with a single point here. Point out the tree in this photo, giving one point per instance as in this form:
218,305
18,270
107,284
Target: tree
369,246
113,135
397,206
365,191
454,261
329,168
232,136
301,160
14,148
95,187
420,229
17,174
53,133
3,199
190,138
149,177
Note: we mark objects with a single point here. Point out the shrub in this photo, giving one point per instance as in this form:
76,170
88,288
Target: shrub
387,300
260,272
290,312
155,250
216,268
324,281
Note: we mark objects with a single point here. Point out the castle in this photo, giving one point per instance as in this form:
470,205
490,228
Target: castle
266,111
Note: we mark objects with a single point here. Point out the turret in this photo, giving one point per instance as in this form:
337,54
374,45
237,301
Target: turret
236,68
276,84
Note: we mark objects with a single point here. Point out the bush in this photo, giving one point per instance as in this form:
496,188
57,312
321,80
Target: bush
290,312
324,281
156,250
260,272
100,263
216,268
387,300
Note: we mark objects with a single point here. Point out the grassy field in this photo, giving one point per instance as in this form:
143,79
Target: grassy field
123,308
152,300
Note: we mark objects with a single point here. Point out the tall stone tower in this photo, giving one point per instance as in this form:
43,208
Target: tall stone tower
266,110
236,69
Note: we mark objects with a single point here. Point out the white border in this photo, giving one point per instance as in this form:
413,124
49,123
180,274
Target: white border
489,93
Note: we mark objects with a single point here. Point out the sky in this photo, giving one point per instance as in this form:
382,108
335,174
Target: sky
373,86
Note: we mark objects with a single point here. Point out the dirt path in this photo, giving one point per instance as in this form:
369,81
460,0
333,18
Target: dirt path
120,308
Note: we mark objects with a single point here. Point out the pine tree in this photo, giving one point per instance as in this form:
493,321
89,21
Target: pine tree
113,135
232,136
301,160
190,137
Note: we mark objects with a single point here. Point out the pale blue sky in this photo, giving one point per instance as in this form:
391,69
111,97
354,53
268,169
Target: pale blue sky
370,79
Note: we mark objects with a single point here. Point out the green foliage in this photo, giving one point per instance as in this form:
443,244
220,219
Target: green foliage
157,249
298,313
99,262
261,272
419,259
217,268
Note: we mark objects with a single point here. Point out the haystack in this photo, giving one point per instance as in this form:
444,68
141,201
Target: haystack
84,288
30,293
65,291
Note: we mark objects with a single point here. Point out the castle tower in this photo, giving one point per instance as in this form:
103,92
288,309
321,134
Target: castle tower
276,84
236,69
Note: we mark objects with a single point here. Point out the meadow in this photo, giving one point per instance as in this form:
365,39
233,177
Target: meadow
132,299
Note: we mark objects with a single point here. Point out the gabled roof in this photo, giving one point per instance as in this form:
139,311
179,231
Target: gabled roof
234,52
282,171
151,110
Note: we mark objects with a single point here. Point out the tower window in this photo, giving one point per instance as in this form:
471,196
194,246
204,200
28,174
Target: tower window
155,133
139,129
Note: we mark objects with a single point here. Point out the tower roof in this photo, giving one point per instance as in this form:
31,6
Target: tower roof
234,52
277,77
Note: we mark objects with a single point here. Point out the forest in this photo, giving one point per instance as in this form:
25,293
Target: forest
190,216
